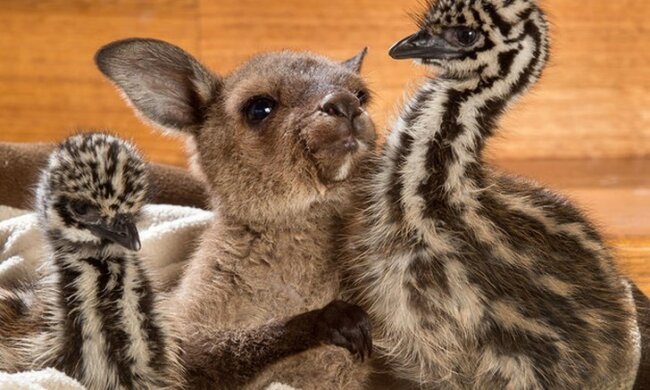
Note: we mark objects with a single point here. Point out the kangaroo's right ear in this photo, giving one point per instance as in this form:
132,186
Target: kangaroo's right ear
164,84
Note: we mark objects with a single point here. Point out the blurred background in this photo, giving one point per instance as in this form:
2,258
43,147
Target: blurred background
585,129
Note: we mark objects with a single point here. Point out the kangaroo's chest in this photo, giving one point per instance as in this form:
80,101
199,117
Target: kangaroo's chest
274,278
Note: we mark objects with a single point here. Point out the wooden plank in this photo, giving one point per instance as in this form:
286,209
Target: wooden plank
594,100
601,173
49,86
633,256
617,211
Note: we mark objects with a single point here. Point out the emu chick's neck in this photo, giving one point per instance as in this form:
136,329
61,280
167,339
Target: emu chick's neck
112,338
434,155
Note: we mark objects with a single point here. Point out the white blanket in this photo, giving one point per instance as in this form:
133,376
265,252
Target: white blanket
167,234
48,379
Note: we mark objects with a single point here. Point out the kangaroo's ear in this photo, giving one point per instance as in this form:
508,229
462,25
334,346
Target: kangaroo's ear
355,63
163,83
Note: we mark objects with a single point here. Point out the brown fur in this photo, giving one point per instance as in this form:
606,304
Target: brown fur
277,191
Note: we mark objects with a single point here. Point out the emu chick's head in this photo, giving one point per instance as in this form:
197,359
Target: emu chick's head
468,37
279,134
92,191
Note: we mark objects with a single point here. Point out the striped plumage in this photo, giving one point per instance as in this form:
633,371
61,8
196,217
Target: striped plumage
476,279
95,316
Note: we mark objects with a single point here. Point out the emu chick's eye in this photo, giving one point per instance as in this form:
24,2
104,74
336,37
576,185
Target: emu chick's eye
80,208
258,108
462,36
84,211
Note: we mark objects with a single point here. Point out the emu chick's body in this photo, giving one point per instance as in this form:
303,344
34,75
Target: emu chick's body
94,316
277,142
476,279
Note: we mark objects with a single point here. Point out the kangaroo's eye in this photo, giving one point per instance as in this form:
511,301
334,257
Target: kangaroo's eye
258,108
462,36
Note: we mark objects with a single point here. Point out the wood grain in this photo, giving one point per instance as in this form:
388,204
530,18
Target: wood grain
633,256
49,86
594,100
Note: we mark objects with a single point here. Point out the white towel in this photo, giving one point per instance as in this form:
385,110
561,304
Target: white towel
48,379
279,386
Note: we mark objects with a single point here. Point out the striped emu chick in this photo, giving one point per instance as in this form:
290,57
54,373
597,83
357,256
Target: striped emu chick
476,279
278,142
101,324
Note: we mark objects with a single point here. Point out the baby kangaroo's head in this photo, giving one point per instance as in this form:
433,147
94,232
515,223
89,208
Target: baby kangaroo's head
280,133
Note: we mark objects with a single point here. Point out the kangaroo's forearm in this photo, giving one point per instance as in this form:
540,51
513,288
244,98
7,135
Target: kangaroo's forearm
232,358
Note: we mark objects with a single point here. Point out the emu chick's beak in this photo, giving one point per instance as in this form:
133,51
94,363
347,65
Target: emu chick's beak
423,45
122,231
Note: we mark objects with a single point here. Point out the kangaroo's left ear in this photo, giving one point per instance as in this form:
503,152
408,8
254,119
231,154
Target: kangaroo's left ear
166,85
355,63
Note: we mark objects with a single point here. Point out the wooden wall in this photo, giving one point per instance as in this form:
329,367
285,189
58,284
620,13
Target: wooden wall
594,100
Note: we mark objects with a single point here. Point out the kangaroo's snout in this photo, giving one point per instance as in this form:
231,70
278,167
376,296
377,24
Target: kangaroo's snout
341,104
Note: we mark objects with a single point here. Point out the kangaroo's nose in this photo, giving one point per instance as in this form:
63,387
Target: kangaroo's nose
343,104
